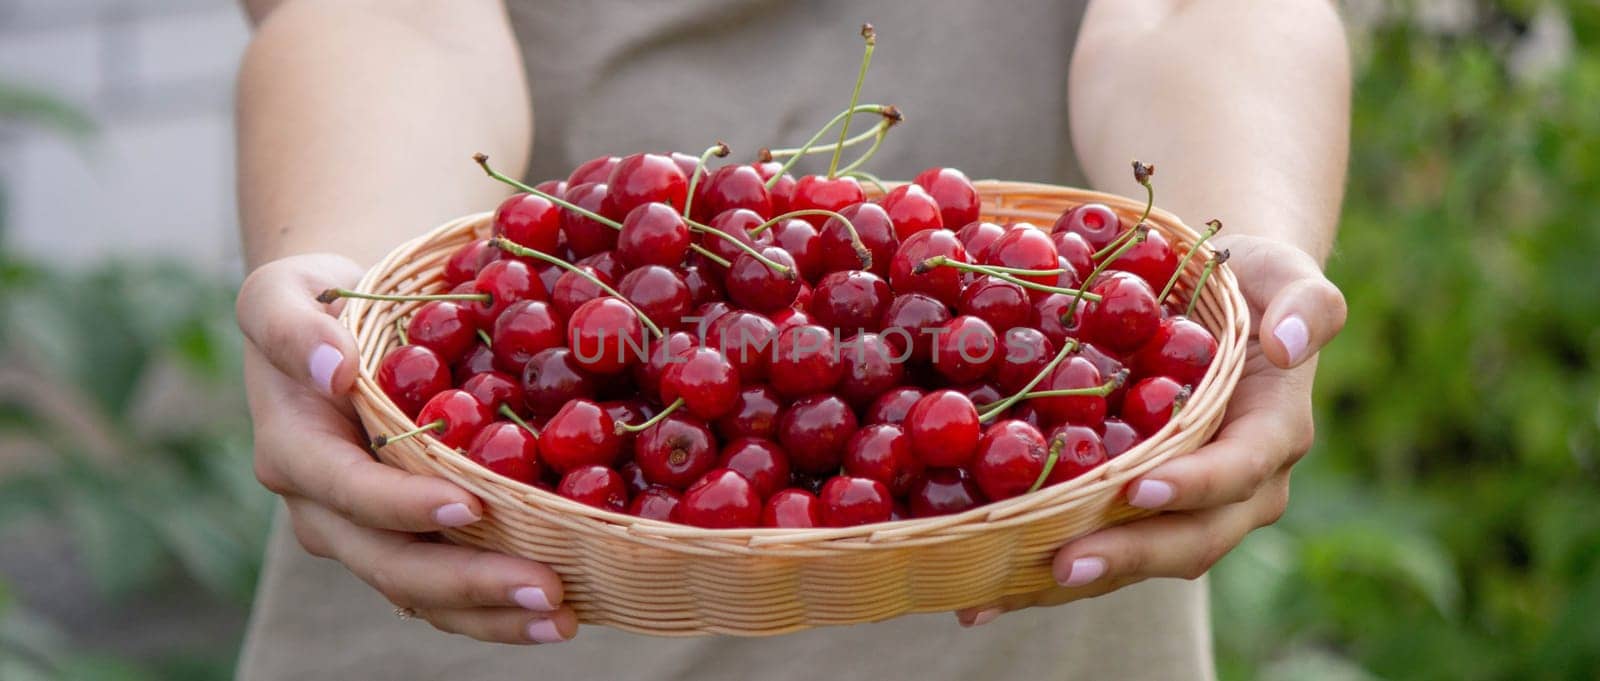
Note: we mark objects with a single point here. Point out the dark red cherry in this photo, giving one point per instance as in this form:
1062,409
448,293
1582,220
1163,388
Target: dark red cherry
463,416
664,353
477,360
943,283
875,230
1084,410
802,300
804,361
530,220
720,500
1025,247
580,434
1011,456
814,431
782,191
1126,316
507,282
892,406
976,237
1072,247
1109,366
633,478
658,292
745,339
730,187
584,235
1029,414
755,414
675,451
1002,304
882,452
410,375
850,301
522,331
848,501
1149,404
493,388
635,410
958,200
943,427
1095,222
593,170
802,240
792,508
605,336
943,491
981,394
1152,260
1120,437
871,367
912,209
736,223
759,461
507,449
704,286
556,188
1048,316
814,191
1180,349
754,285
706,382
1078,449
912,319
551,379
1024,353
596,486
655,503
644,178
463,266
652,234
966,350
443,326
698,322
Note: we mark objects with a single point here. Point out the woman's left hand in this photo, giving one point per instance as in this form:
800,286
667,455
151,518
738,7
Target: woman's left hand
1239,482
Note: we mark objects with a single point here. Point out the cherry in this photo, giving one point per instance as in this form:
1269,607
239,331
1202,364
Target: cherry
943,491
1029,414
722,499
444,327
1095,222
850,301
911,320
652,234
759,461
507,449
981,393
755,414
730,187
1078,451
810,483
1180,349
802,240
804,362
705,381
477,360
1120,437
1109,366
605,336
1152,260
754,285
664,354
736,223
655,503
644,178
745,339
604,263
454,416
1025,353
1025,247
551,379
1127,314
1011,456
891,407
1049,317
633,479
585,236
1002,304
530,220
1069,277
882,452
506,282
596,486
875,230
943,427
1151,402
782,191
464,264
786,318
1074,373
958,200
523,330
814,431
557,188
592,170
675,451
976,237
573,289
704,286
848,501
813,192
943,283
870,367
792,508
802,300
580,434
912,209
493,389
1072,247
410,375
965,349
658,292
628,411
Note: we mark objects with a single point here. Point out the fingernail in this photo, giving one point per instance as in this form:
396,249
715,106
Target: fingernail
1151,494
544,631
532,598
454,515
1294,336
1084,570
985,616
324,361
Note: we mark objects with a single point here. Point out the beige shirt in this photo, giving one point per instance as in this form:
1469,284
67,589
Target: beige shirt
983,88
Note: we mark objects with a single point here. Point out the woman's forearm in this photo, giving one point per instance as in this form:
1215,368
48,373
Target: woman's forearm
358,121
1243,106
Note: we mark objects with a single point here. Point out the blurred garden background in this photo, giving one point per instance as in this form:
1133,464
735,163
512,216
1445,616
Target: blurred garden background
1447,525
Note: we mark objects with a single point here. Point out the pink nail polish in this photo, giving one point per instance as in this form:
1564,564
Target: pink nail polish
544,631
1294,336
1151,494
1084,571
985,616
323,363
532,598
454,515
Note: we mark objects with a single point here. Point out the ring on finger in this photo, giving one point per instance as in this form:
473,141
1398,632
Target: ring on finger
405,613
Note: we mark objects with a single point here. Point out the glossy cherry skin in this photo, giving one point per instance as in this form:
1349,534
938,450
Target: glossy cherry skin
784,319
633,478
556,188
593,170
815,191
958,200
584,235
805,361
1048,317
652,234
690,167
463,416
551,379
976,237
1109,366
802,240
1085,410
814,431
658,292
755,286
1152,260
706,382
1180,349
572,290
850,301
605,336
596,486
477,360
882,452
745,339
675,451
792,508
848,501
722,499
523,330
635,410
507,449
704,285
760,461
1025,247
943,427
530,220
1072,247
755,414
699,321
911,319
1011,457
1002,304
730,187
912,209
443,326
655,503
507,282
410,375
465,263
664,353
1078,450
943,491
892,406
966,350
644,178
871,367
981,394
1095,222
493,388
1126,316
580,434
1120,437
1024,353
605,264
943,283
1148,405
875,230
736,223
782,191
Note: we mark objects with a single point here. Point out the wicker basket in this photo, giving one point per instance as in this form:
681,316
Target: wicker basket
673,580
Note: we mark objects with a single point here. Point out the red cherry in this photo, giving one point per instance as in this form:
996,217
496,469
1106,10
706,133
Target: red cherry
872,226
593,170
976,237
664,354
506,282
882,452
1120,437
1048,314
1025,247
943,491
477,360
848,501
530,220
755,414
658,292
655,503
573,289
817,192
737,224
507,449
792,508
722,499
704,285
1149,403
551,379
1011,456
892,406
1152,260
958,200
745,339
804,242
1024,354
783,319
759,461
493,388
1029,414
675,451
1072,247
1002,304
1080,450
633,479
689,166
912,319
604,263
1068,278
596,486
444,327
584,235
628,411
981,393
805,361
1095,222
580,434
463,266
652,234
1109,366
522,331
943,427
814,431
966,350
1180,349
705,381
699,322
1126,316
463,416
912,209
1084,410
557,188
410,375
754,285
782,191
850,301
644,178
605,336
730,187
802,300
943,283
870,367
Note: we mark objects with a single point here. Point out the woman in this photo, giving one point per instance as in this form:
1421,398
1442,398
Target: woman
357,121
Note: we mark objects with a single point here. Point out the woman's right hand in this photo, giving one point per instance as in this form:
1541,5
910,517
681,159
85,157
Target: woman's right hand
300,364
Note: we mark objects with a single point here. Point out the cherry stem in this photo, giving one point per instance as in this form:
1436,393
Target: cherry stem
1002,273
484,336
1141,174
778,267
1049,463
515,248
1217,259
505,410
1143,231
623,428
869,177
990,411
719,151
806,148
382,441
333,294
871,38
1214,227
400,330
880,132
1180,399
770,154
860,248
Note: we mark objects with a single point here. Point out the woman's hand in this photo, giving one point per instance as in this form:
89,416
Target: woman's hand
299,365
1240,481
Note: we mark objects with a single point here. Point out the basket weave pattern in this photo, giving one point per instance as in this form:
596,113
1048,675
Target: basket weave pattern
674,580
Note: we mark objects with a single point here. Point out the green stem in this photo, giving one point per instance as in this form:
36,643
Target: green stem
859,246
871,37
943,261
1049,463
1205,274
623,428
1141,174
484,336
719,151
805,148
1142,230
515,248
770,154
505,410
869,177
382,441
882,131
1214,227
1102,390
990,411
776,266
483,161
400,330
333,294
